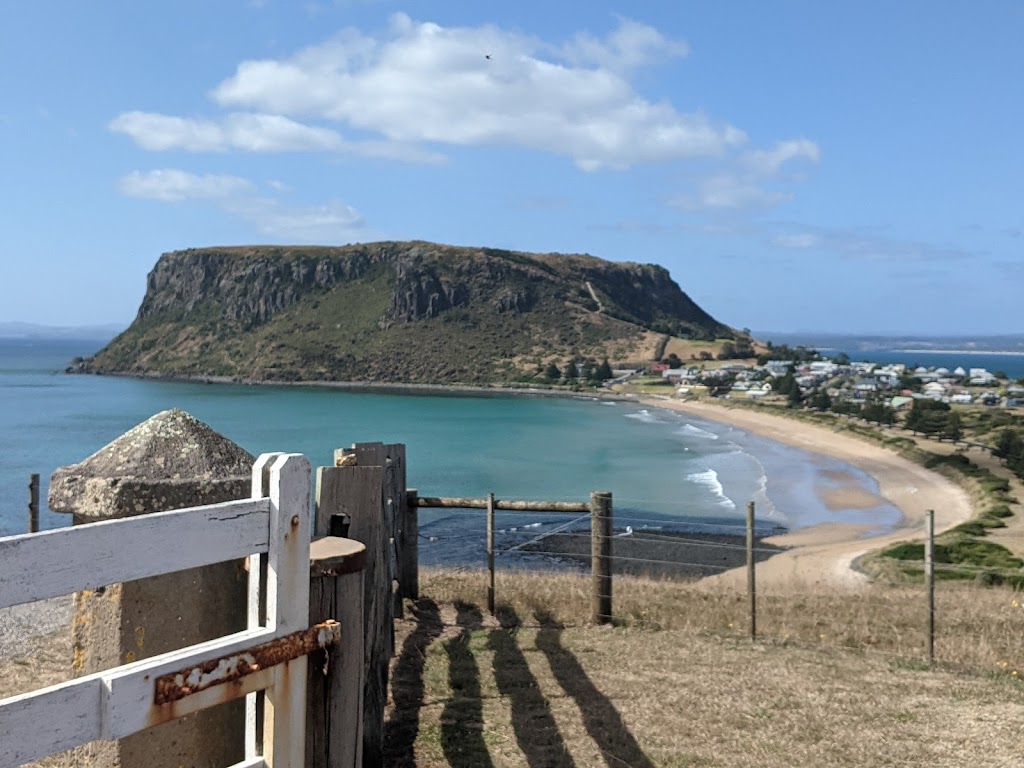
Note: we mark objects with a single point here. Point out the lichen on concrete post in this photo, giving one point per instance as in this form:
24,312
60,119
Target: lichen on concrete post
170,461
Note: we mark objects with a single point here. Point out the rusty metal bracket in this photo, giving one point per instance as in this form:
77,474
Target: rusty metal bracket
177,685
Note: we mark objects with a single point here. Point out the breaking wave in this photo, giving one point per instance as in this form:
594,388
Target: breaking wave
709,479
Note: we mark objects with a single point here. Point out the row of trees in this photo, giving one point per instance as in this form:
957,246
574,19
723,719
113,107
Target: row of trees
928,417
575,370
1010,448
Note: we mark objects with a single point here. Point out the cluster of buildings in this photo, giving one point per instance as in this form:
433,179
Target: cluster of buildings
853,381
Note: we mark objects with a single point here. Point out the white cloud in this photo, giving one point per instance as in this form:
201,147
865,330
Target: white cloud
424,83
333,221
727,191
245,131
253,132
630,46
863,245
170,185
768,162
749,181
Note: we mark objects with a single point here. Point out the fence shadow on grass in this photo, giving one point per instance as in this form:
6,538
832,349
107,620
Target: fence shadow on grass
407,686
600,717
462,726
537,733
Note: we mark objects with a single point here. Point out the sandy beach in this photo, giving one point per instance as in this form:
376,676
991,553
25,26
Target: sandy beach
826,553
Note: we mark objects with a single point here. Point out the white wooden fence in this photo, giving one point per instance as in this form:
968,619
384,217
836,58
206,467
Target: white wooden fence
127,699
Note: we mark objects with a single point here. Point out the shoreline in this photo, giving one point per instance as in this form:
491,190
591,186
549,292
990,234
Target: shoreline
824,552
827,553
376,387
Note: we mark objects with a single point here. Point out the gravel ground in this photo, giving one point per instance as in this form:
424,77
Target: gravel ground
20,624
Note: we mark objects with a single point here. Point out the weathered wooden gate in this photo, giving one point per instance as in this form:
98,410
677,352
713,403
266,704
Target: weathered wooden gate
269,656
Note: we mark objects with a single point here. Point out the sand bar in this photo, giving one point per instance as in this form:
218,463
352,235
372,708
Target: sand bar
825,553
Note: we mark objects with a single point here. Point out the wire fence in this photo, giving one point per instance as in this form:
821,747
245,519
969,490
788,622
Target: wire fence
919,626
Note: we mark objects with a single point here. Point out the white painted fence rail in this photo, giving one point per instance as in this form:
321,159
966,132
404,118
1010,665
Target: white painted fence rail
132,697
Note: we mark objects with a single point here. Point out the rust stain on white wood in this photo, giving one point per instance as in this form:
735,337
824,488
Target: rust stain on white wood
118,702
226,669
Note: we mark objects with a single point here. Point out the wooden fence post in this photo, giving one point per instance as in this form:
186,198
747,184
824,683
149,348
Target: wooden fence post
490,553
33,503
392,459
751,578
358,491
929,577
334,709
601,556
409,551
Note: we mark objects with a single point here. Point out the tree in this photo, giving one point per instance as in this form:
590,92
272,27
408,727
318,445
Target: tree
570,370
911,382
604,371
1008,443
785,384
794,397
927,416
954,428
820,401
842,359
846,407
552,372
673,361
878,412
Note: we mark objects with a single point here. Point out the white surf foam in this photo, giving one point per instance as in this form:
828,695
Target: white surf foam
645,416
689,429
709,479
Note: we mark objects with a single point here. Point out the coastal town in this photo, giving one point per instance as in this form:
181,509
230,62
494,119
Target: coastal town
842,381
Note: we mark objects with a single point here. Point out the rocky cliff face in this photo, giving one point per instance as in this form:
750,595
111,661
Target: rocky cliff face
222,310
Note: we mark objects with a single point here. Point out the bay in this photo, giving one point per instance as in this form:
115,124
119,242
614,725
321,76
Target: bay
666,471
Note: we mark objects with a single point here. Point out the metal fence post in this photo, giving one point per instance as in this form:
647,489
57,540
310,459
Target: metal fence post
490,553
751,578
929,577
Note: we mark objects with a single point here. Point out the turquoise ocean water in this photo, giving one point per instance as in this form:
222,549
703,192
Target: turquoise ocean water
666,471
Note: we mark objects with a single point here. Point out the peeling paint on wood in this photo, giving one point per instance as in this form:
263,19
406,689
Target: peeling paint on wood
226,669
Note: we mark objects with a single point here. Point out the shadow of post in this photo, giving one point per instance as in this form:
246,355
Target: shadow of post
407,688
536,731
602,721
462,727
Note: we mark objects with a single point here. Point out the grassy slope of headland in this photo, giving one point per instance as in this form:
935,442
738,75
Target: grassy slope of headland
400,312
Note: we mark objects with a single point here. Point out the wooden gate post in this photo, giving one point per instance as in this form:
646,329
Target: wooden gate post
751,576
601,556
359,492
334,710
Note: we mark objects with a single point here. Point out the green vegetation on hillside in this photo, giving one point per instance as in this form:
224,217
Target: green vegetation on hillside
398,312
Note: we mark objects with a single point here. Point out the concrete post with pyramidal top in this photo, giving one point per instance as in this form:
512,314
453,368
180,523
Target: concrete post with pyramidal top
170,461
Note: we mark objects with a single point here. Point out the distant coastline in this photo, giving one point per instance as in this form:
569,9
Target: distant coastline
956,352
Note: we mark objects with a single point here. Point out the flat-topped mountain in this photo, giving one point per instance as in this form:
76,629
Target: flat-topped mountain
396,312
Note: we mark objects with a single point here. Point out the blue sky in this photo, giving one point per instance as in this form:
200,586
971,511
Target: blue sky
795,165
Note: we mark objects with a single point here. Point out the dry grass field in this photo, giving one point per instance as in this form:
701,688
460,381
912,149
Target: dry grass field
836,678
